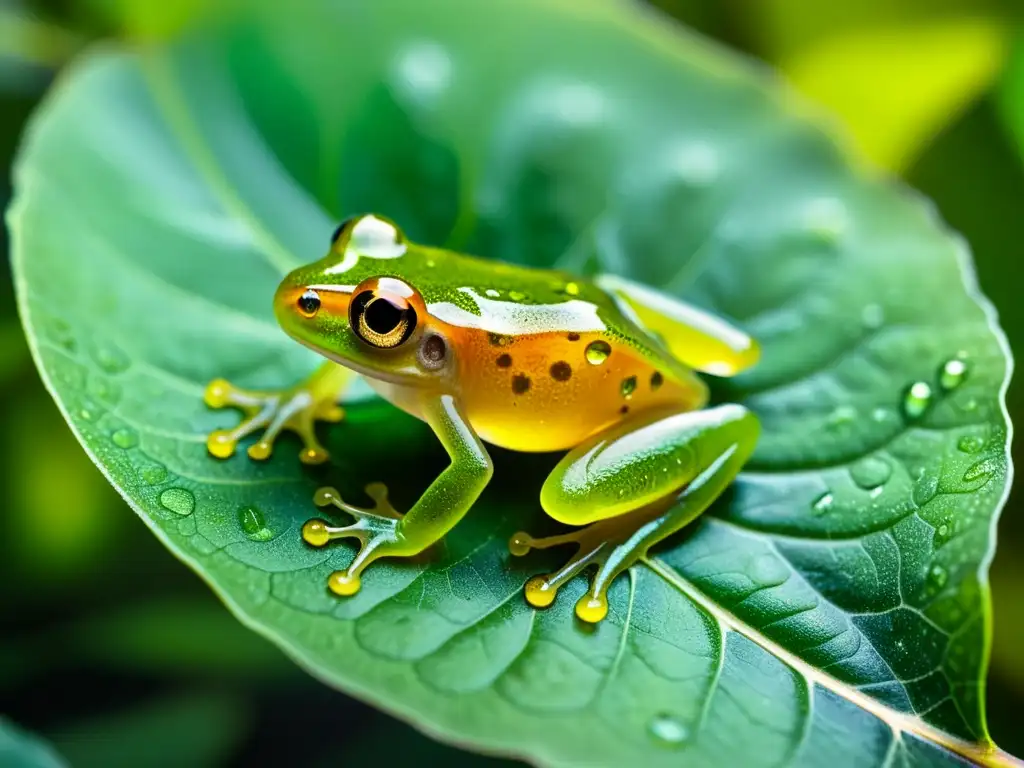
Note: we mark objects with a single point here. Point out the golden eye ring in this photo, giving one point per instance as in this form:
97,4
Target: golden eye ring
382,320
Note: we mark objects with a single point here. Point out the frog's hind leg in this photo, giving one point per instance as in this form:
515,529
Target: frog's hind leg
296,409
698,453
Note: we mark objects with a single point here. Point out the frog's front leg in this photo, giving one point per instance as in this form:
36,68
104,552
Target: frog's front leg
635,485
383,532
296,409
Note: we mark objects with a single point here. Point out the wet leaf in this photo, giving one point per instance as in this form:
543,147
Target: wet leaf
835,601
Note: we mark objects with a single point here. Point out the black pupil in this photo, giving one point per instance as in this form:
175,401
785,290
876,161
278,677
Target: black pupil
309,302
382,316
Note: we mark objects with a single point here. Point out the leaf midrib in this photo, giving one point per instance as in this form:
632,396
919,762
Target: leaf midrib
983,753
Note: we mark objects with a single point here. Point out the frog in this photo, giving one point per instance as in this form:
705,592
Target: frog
608,371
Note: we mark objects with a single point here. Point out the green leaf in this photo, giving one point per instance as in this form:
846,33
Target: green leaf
895,72
835,601
19,749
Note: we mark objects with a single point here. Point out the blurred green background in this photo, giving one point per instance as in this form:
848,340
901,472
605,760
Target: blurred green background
119,655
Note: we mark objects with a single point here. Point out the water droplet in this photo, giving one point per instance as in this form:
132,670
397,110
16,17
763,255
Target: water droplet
668,730
872,316
111,359
628,386
880,414
917,400
105,390
516,295
943,533
937,576
597,352
970,444
981,471
125,438
953,374
252,522
842,416
871,472
88,411
178,500
970,405
823,504
154,474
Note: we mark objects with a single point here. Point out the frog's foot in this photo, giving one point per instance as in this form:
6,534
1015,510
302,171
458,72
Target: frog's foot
611,545
376,530
293,409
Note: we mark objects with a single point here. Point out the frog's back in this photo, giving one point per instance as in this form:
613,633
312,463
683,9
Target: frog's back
546,360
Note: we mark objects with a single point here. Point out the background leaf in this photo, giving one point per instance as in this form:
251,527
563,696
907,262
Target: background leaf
834,600
19,749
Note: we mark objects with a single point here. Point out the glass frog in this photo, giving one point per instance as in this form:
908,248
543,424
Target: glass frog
527,359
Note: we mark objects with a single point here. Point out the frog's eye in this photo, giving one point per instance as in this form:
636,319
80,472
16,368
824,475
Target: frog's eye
341,228
309,303
382,319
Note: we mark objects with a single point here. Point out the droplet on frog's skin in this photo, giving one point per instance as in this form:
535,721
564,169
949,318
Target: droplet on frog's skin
823,504
917,399
516,295
879,415
253,524
668,730
597,352
571,289
981,471
178,500
871,473
937,576
953,373
970,444
872,316
125,438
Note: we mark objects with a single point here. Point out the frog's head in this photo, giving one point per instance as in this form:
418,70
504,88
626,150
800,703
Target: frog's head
358,305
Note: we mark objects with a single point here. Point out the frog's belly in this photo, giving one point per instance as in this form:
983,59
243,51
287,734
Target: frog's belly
550,397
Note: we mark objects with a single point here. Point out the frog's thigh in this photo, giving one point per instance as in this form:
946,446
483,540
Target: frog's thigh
641,461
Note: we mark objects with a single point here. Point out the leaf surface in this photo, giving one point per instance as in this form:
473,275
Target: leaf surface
833,602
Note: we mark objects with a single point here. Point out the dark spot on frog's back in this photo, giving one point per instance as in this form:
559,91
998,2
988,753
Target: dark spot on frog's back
520,383
657,379
504,361
561,371
498,339
574,337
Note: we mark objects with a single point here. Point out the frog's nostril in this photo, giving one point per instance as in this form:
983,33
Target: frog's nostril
309,303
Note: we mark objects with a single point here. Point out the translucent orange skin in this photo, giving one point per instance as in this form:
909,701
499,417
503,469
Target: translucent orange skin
540,393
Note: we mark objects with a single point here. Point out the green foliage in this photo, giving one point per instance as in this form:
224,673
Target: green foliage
835,599
19,749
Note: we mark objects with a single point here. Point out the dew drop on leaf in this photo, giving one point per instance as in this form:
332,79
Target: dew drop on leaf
111,360
252,522
970,444
917,399
823,504
871,473
842,416
872,316
668,730
178,500
154,474
937,576
983,470
125,438
952,374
